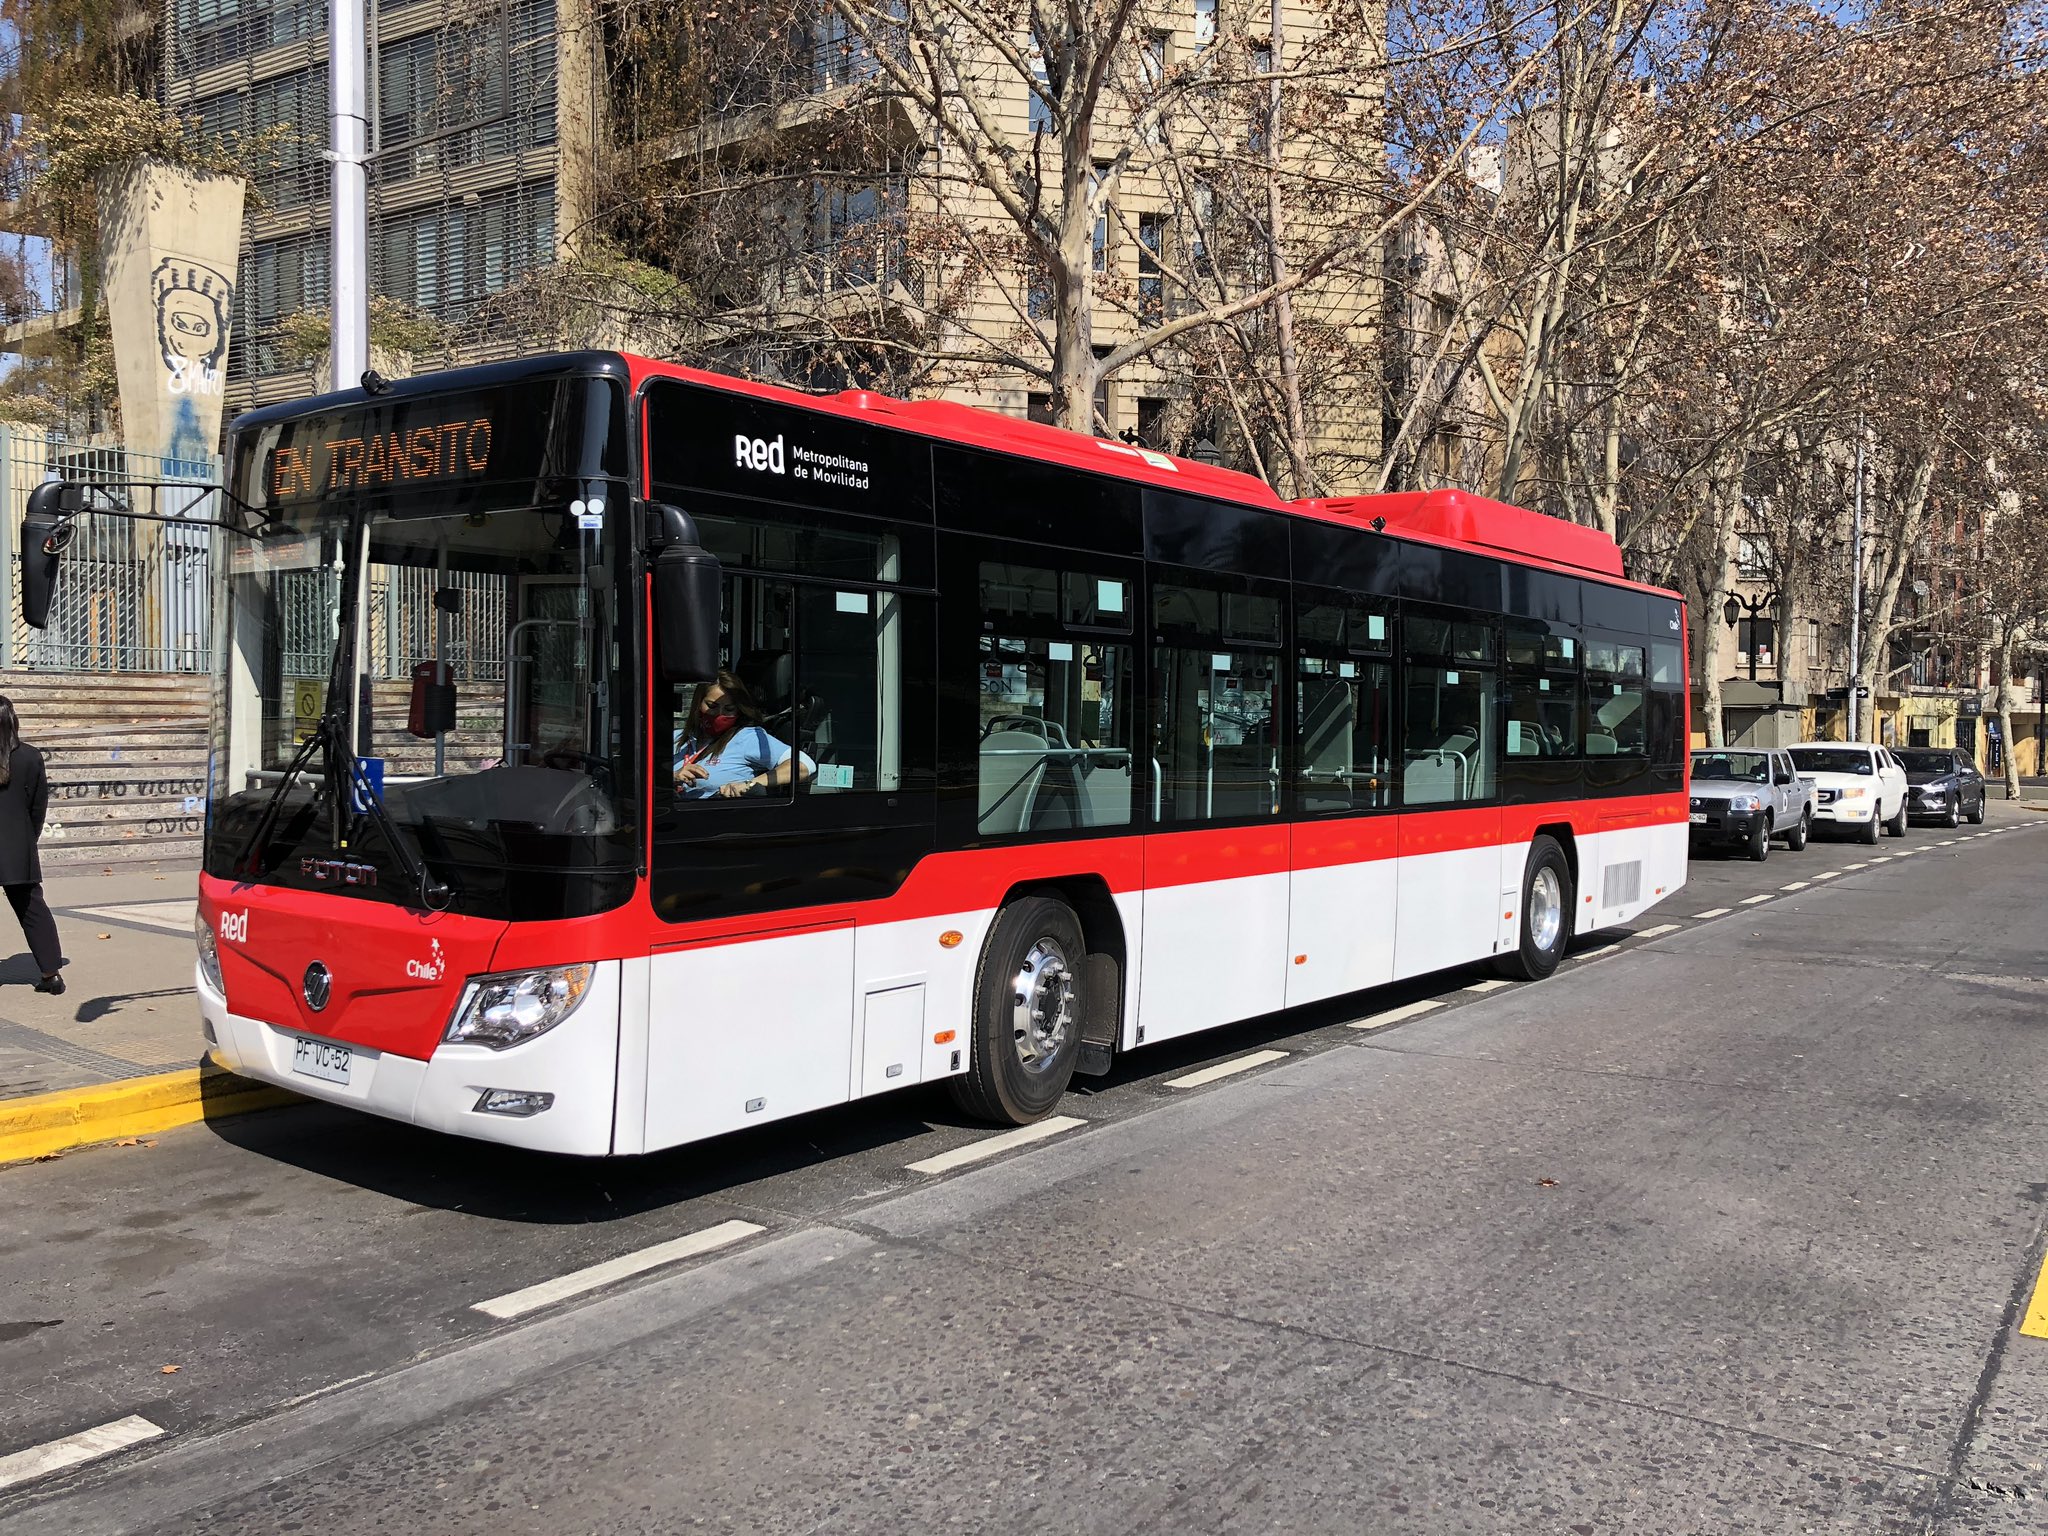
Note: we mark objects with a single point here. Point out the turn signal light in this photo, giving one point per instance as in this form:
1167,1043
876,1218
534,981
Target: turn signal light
943,1037
951,938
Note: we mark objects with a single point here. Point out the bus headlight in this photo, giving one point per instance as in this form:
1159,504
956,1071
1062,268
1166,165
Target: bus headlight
512,1007
209,954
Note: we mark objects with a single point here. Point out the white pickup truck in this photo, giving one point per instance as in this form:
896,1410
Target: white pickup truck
1855,785
1748,796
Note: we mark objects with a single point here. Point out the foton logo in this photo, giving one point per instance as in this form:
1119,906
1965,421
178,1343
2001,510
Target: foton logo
234,927
430,969
757,453
338,872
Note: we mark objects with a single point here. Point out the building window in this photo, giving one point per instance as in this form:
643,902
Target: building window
1151,280
1040,112
1038,408
1205,23
1152,423
1814,658
1100,242
447,258
1760,635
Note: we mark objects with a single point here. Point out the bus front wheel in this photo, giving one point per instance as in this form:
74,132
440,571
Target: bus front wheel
1028,1008
1547,914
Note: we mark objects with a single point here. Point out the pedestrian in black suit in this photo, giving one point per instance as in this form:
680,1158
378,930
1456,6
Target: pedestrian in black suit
24,801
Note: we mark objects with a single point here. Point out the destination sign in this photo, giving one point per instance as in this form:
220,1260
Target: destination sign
382,460
522,441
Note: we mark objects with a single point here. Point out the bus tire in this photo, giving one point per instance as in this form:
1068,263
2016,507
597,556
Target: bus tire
1028,1011
1548,908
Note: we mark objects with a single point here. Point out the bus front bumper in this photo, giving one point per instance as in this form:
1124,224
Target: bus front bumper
576,1062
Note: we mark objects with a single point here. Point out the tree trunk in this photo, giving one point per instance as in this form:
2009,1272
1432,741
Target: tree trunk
2005,742
1907,518
1283,307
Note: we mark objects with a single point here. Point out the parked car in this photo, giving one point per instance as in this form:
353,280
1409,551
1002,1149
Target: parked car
1855,786
1749,796
1945,783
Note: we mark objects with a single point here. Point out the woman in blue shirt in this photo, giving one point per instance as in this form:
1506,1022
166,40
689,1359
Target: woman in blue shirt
725,752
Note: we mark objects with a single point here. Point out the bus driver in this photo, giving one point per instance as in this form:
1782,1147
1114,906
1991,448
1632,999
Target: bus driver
726,752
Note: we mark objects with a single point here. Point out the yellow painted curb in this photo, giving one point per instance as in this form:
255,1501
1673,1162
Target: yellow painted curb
137,1106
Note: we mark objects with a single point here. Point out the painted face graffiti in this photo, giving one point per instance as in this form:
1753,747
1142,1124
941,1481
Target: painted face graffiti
192,303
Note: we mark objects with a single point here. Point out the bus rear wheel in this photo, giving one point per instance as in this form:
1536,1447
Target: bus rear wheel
1547,914
1028,1010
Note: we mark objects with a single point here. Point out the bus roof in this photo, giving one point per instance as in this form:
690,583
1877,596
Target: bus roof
1446,517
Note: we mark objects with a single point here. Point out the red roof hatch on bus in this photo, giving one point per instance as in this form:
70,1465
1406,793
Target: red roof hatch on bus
1458,517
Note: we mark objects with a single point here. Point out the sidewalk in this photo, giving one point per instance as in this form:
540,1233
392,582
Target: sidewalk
128,1008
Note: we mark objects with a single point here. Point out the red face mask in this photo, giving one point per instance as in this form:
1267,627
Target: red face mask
715,725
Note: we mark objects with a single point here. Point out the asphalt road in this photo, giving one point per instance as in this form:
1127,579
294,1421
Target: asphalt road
1729,1226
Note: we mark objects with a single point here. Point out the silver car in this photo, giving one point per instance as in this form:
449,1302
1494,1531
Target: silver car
1746,797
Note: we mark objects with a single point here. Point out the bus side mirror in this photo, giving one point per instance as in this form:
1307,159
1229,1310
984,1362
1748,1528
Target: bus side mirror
689,598
45,535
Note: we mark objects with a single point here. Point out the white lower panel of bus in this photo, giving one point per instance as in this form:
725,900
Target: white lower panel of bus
576,1061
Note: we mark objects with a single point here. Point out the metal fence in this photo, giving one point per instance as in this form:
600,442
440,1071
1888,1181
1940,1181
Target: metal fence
134,596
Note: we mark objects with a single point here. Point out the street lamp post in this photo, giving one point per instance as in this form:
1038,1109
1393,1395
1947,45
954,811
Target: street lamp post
1736,607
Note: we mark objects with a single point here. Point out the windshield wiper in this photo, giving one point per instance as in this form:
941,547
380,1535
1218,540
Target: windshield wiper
248,861
433,893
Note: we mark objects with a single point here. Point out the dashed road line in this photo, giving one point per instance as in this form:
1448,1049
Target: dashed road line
1660,930
1946,842
1750,901
576,1282
86,1445
1712,912
1226,1069
1595,954
1396,1015
1827,874
1489,986
1796,885
991,1146
1847,867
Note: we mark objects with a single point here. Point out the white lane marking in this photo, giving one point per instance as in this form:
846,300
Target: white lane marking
1595,954
1750,901
1946,842
1225,1069
1489,986
989,1146
1883,858
1796,885
576,1282
1847,867
86,1445
1662,928
1396,1015
1712,912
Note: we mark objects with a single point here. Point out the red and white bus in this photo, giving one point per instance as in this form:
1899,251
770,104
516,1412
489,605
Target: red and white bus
1070,748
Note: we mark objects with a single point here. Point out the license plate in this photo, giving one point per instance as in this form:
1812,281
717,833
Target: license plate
1699,818
321,1059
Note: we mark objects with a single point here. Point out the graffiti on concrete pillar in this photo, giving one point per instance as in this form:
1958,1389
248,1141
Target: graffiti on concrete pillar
192,323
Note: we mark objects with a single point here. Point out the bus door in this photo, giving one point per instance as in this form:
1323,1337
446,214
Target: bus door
1450,797
1346,834
1216,862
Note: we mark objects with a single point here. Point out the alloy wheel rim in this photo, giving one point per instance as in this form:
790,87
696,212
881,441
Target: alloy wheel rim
1042,1005
1546,908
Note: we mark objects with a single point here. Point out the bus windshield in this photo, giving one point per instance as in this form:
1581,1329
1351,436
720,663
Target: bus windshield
475,637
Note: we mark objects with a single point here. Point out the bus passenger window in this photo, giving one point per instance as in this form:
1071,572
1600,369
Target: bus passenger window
1542,692
1055,703
1616,721
1216,742
1448,689
1344,695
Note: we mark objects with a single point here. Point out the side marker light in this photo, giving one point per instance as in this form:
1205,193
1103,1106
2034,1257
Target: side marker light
943,1037
951,938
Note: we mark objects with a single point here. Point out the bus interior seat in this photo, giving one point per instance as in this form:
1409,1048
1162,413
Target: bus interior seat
1013,764
806,722
1328,723
1600,744
1433,778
